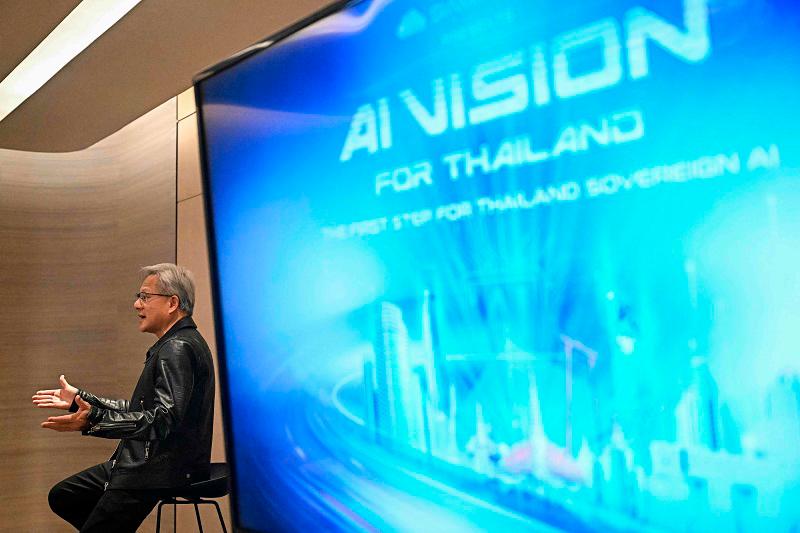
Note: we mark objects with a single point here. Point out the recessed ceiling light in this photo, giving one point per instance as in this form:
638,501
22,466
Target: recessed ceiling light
88,21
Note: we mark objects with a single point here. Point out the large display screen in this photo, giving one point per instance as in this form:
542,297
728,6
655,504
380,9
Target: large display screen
511,265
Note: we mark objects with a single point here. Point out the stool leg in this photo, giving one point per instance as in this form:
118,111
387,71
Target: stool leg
175,516
197,514
158,516
219,514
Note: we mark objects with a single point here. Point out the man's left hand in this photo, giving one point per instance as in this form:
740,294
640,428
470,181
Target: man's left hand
77,421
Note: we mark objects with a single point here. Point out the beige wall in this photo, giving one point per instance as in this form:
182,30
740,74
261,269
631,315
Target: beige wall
74,229
192,252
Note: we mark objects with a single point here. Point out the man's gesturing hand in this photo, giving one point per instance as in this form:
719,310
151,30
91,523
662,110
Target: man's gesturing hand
57,398
72,422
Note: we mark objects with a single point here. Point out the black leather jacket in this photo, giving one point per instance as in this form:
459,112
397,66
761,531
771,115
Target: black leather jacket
166,426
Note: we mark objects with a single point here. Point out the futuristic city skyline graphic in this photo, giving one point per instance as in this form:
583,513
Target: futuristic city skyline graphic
712,466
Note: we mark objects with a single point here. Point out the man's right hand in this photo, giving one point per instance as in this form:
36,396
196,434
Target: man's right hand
56,398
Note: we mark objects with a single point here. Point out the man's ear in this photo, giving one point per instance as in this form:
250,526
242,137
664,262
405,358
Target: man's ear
174,303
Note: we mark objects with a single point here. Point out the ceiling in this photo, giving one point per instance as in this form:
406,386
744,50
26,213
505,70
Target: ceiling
149,56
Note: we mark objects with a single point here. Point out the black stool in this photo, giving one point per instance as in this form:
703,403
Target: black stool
216,486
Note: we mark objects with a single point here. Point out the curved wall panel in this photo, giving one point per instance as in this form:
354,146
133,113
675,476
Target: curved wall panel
73,229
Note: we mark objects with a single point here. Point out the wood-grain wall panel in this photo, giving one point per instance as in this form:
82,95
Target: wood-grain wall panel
192,250
189,180
74,228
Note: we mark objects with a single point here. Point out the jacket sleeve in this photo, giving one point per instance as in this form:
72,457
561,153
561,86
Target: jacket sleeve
101,403
174,381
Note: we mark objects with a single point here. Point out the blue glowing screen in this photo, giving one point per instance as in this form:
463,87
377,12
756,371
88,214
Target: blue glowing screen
513,265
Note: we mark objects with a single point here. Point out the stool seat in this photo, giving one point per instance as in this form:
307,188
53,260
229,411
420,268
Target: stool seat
198,493
216,486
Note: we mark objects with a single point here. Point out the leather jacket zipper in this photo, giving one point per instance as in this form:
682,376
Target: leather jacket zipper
113,425
146,444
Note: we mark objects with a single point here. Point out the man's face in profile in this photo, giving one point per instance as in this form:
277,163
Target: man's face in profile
152,310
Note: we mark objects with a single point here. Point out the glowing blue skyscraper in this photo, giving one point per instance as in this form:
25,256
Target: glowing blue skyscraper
783,414
697,415
391,373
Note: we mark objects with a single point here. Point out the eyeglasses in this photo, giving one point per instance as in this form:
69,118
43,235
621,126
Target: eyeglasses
145,296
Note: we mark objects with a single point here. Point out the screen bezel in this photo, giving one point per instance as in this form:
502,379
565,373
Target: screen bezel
261,46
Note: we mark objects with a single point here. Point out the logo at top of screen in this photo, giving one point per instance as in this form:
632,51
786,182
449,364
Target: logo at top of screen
412,23
415,21
532,76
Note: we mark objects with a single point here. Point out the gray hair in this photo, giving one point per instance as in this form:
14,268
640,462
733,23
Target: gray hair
174,279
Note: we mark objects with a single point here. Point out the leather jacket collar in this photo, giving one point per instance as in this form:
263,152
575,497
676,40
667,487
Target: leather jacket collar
185,322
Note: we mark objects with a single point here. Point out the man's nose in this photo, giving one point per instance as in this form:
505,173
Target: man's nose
137,304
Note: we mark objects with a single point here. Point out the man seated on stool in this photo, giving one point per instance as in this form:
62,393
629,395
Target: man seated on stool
165,428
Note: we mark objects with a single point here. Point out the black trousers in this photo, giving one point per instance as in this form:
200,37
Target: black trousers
82,501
